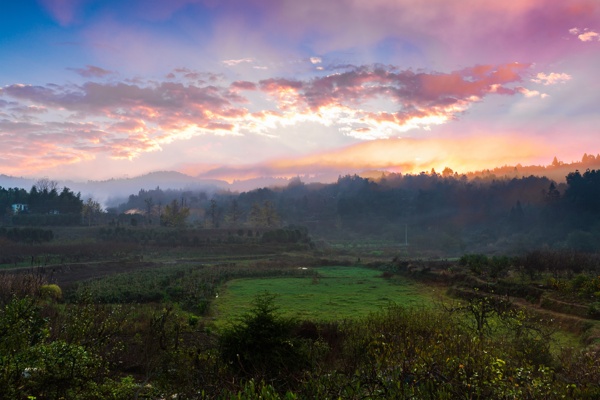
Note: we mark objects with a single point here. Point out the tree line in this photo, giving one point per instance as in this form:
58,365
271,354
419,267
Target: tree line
444,211
44,204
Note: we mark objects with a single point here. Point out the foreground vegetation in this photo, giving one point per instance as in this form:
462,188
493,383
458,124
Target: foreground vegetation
150,332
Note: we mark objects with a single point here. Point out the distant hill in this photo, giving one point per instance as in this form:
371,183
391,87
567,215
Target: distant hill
115,190
112,189
109,190
557,171
7,181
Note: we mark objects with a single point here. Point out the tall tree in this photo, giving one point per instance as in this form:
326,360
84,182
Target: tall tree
149,208
213,214
264,216
234,214
91,210
175,214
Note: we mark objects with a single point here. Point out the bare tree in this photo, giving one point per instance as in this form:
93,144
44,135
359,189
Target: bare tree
149,208
46,184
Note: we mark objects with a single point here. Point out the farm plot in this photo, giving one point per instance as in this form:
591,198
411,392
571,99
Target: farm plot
335,293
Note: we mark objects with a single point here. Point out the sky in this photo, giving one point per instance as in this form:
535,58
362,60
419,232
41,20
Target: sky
238,89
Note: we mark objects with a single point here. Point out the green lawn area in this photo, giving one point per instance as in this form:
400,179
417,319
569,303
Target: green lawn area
337,293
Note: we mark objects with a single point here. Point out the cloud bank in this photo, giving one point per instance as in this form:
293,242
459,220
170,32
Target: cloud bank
123,119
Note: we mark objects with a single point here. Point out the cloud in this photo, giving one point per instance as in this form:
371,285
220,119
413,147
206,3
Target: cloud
422,32
91,71
316,60
129,118
530,93
589,36
551,78
123,120
29,147
388,101
243,85
585,35
190,76
233,63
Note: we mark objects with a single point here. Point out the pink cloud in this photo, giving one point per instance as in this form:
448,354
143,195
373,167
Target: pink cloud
413,99
91,71
440,30
243,85
198,76
128,118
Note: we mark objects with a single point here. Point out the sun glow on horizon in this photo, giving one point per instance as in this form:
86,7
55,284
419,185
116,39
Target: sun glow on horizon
407,156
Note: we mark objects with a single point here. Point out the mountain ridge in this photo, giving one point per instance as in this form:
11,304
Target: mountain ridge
114,188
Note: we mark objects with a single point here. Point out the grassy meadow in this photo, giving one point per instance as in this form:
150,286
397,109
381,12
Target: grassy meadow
334,293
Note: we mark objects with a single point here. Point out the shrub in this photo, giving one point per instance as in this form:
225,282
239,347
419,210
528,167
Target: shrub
475,262
51,292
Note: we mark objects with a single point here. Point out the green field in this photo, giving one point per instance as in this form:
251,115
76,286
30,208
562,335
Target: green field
336,293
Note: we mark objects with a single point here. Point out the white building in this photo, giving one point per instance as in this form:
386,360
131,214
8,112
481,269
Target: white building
19,208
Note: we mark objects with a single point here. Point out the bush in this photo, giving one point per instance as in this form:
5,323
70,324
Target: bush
50,292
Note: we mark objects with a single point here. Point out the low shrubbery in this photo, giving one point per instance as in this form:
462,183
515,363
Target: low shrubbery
27,235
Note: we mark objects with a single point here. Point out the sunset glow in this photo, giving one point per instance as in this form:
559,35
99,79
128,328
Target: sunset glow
240,89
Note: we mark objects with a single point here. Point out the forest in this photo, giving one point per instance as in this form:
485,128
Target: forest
428,286
443,214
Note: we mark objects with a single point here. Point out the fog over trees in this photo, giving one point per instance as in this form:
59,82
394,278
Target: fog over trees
446,212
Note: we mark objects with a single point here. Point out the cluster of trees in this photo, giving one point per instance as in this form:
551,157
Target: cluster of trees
10,196
445,211
45,204
175,208
53,201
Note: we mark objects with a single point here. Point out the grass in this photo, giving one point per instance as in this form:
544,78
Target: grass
336,293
